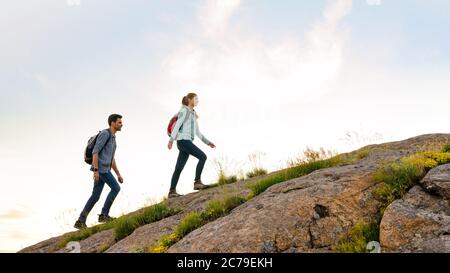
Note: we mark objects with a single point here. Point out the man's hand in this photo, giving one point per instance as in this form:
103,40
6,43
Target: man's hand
96,176
169,145
120,178
212,145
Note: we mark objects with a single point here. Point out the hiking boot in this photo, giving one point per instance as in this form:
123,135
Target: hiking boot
198,185
80,225
105,218
173,194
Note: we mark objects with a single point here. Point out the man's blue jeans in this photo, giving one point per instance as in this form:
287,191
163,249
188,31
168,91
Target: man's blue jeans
110,180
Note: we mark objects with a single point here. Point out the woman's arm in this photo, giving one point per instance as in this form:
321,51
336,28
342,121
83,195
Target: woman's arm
201,136
181,117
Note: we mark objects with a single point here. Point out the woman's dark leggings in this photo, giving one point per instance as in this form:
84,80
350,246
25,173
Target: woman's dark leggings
187,147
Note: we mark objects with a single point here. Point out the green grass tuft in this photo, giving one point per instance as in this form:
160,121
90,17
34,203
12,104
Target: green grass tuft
399,177
295,172
357,238
362,153
191,222
226,179
214,210
83,234
446,148
124,225
256,172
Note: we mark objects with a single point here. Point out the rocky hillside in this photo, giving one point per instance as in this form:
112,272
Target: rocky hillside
396,193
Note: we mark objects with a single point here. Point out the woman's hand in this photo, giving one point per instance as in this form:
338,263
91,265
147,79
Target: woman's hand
169,145
212,145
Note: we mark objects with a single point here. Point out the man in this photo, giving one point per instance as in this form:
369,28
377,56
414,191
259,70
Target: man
102,162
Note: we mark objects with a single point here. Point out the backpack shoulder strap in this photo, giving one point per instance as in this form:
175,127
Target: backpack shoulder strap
185,118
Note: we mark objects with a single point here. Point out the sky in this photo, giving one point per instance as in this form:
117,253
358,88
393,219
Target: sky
273,77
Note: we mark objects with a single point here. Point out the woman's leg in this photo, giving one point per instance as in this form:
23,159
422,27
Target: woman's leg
181,162
190,148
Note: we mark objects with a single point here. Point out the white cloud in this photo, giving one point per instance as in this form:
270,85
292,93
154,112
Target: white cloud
374,2
336,11
220,58
215,15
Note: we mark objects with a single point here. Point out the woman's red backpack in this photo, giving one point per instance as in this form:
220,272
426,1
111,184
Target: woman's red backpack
172,123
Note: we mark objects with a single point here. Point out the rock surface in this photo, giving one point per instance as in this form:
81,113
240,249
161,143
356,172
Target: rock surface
420,222
437,181
306,214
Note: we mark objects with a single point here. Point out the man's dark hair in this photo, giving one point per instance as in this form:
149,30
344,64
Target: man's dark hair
113,118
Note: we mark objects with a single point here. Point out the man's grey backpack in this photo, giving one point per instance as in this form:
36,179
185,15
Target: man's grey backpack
90,147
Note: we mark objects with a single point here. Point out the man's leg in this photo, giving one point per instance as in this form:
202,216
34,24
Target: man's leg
111,181
181,162
96,192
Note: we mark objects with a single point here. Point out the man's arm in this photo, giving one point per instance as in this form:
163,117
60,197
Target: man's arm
99,144
116,170
114,167
95,166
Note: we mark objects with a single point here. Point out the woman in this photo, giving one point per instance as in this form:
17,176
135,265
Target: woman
183,132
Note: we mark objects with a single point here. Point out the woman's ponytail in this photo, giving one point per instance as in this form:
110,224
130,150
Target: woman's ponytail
185,100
